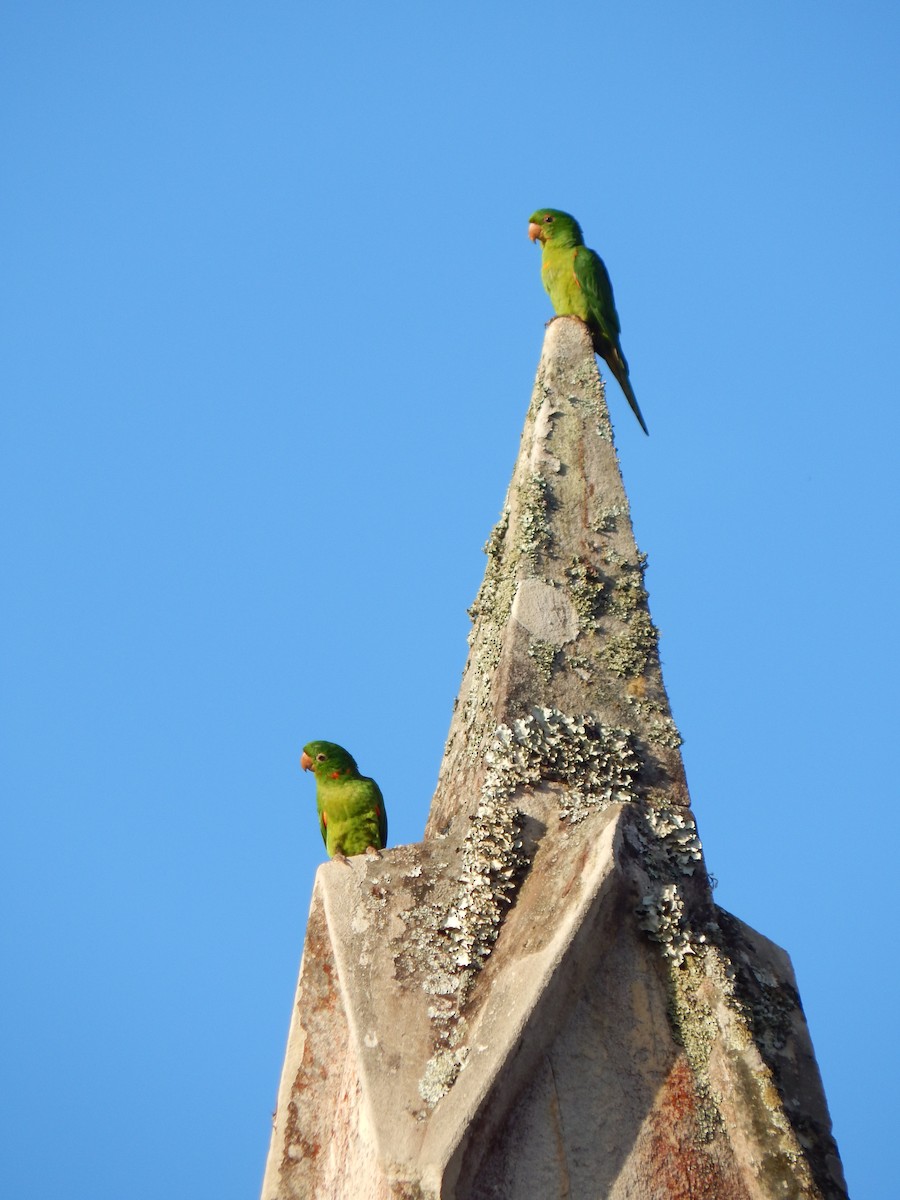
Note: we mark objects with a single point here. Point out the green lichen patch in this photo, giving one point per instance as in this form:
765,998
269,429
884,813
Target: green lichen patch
493,547
766,1003
628,593
587,590
544,655
490,601
781,1167
581,665
534,534
629,652
606,519
695,1027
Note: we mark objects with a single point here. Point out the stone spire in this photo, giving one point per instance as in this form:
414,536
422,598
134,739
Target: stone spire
541,999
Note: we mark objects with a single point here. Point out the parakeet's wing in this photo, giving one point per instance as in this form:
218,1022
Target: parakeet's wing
593,279
382,814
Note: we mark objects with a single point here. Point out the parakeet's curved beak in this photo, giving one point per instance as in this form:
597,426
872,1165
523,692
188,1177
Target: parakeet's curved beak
534,231
305,761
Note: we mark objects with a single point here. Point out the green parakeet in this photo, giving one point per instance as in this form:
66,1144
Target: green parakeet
352,818
578,285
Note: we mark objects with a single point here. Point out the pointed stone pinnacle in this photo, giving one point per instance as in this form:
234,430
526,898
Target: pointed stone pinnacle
542,999
561,619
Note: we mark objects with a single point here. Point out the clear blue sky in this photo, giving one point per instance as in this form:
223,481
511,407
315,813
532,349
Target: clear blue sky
270,322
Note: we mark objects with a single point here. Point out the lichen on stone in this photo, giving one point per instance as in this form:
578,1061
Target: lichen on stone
677,840
628,653
655,715
581,665
596,762
662,915
534,498
544,655
587,590
695,1027
493,547
440,1073
486,601
664,732
628,593
670,850
492,856
606,519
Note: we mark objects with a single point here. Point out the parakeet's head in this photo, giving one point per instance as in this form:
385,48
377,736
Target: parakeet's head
549,224
327,760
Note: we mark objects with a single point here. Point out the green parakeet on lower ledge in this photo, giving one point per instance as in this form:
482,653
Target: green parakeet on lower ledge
352,816
578,285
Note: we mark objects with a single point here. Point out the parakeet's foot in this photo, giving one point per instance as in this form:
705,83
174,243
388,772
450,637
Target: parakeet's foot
340,857
373,852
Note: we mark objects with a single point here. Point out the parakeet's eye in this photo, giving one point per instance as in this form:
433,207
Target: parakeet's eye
320,758
548,220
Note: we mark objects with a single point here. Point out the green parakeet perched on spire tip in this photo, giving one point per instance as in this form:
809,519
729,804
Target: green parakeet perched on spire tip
578,285
352,817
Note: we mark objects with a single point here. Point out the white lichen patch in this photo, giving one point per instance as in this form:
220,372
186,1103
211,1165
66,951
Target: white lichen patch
678,840
597,762
598,766
440,1074
661,914
492,857
670,850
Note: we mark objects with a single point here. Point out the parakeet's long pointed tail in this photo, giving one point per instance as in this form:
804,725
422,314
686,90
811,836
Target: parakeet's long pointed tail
632,400
619,368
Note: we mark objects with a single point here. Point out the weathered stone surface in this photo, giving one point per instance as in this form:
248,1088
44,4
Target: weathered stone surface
541,999
579,1061
564,532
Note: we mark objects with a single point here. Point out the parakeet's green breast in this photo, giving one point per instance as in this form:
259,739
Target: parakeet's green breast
559,279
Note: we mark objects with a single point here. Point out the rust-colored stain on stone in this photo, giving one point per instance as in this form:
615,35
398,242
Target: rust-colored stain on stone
317,999
679,1164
